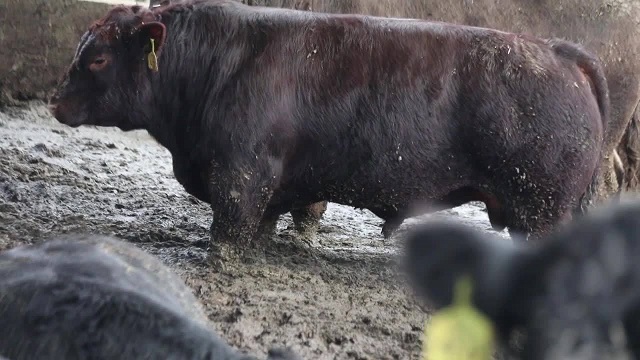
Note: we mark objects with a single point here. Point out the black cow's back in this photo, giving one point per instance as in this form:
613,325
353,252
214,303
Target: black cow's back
98,298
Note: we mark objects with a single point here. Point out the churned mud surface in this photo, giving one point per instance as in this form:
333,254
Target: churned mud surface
343,298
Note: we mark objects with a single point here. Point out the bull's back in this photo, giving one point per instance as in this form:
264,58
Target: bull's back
398,95
407,77
402,72
612,34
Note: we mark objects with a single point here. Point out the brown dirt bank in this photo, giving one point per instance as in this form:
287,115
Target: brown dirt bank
37,42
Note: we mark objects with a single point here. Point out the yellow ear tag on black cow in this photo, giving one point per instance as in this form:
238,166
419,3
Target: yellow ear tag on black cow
152,58
459,331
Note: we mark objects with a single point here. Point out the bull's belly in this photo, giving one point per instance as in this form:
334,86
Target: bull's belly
393,202
386,200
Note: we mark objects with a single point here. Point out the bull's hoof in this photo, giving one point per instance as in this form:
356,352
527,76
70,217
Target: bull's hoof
219,255
236,247
309,252
288,246
282,354
253,256
252,252
267,229
262,237
307,219
216,262
389,228
307,231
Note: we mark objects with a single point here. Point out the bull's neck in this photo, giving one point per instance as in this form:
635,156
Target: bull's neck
193,75
184,105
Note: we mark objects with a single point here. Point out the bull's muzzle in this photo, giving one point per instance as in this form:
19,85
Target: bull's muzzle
64,114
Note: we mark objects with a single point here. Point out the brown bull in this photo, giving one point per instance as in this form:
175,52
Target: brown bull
265,110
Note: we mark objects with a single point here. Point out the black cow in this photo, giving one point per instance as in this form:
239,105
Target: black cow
95,297
265,110
577,296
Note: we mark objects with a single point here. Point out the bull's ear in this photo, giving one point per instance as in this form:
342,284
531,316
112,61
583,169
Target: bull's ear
153,30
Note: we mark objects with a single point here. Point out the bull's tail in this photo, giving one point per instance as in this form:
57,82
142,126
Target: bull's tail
618,169
591,66
590,194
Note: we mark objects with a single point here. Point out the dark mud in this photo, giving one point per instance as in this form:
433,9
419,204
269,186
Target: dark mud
340,298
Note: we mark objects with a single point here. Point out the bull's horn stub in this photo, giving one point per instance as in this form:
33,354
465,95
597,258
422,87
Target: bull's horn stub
459,331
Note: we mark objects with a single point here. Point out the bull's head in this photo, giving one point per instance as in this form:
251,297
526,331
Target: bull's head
107,83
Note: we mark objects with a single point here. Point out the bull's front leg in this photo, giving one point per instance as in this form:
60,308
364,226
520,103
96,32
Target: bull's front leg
239,198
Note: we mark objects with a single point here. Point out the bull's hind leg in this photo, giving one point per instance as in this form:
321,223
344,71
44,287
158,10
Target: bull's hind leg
548,198
307,219
527,220
268,226
392,220
495,209
391,226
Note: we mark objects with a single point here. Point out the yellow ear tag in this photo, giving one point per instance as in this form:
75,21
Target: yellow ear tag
152,59
459,331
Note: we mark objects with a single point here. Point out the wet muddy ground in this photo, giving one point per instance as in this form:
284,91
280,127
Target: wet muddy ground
343,299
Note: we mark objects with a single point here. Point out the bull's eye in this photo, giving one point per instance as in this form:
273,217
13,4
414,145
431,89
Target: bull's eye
98,63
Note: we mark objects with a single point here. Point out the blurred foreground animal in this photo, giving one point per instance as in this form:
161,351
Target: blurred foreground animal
94,297
575,296
265,110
